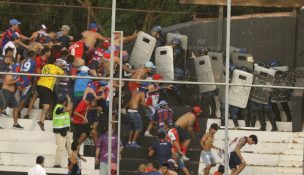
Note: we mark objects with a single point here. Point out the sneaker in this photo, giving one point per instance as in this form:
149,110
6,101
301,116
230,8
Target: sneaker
57,166
1,127
41,125
147,134
185,158
17,126
26,117
5,114
128,145
274,128
135,145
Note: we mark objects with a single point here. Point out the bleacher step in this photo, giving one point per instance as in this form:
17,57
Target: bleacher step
58,171
27,160
282,126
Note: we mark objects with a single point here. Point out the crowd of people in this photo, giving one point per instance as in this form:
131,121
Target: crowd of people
76,106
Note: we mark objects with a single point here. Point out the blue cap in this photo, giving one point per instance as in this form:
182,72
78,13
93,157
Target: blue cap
273,62
144,83
157,29
15,35
149,64
90,97
163,102
61,97
14,22
103,83
243,50
93,25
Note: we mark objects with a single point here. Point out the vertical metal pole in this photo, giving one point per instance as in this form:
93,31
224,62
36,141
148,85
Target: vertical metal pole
227,83
111,87
295,50
89,17
220,28
119,101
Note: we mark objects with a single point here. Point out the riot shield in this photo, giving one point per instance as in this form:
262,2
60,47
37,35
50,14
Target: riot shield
239,95
221,89
142,50
281,79
242,60
216,59
297,76
262,76
183,38
204,73
164,62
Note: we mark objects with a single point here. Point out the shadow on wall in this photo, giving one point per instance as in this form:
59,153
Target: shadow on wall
265,36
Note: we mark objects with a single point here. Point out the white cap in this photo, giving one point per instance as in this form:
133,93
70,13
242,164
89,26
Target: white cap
149,64
84,69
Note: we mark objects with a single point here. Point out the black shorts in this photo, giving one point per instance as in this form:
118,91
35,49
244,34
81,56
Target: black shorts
183,133
80,129
234,160
46,95
7,99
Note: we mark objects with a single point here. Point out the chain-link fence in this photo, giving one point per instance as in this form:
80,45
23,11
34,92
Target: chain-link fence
190,56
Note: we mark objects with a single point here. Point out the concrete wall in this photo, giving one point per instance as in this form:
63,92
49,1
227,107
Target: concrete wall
300,39
266,36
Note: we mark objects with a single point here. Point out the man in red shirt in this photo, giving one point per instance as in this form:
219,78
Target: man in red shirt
81,127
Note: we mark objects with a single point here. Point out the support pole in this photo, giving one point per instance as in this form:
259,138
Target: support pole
227,84
220,28
119,101
111,87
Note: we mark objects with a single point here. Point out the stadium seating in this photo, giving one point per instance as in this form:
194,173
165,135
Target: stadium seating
279,153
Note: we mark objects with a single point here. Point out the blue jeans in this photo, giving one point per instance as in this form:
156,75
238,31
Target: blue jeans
135,120
233,111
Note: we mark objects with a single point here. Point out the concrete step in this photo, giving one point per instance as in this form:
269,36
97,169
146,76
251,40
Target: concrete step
27,160
28,124
262,170
132,164
35,113
255,159
27,136
57,171
269,148
142,153
282,126
264,136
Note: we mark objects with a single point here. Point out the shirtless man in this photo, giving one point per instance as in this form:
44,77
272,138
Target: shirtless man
236,160
106,64
7,93
134,117
140,74
91,36
185,125
206,144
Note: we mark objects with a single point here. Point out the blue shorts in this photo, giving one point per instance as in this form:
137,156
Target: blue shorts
207,157
135,120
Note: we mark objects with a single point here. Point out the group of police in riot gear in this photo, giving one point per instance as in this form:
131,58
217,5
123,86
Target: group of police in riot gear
245,102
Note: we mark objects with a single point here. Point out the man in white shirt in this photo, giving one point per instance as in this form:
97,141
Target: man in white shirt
12,44
38,169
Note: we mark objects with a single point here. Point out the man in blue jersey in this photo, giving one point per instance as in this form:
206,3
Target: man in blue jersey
25,81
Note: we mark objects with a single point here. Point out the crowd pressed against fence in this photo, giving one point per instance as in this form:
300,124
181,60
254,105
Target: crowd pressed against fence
79,107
